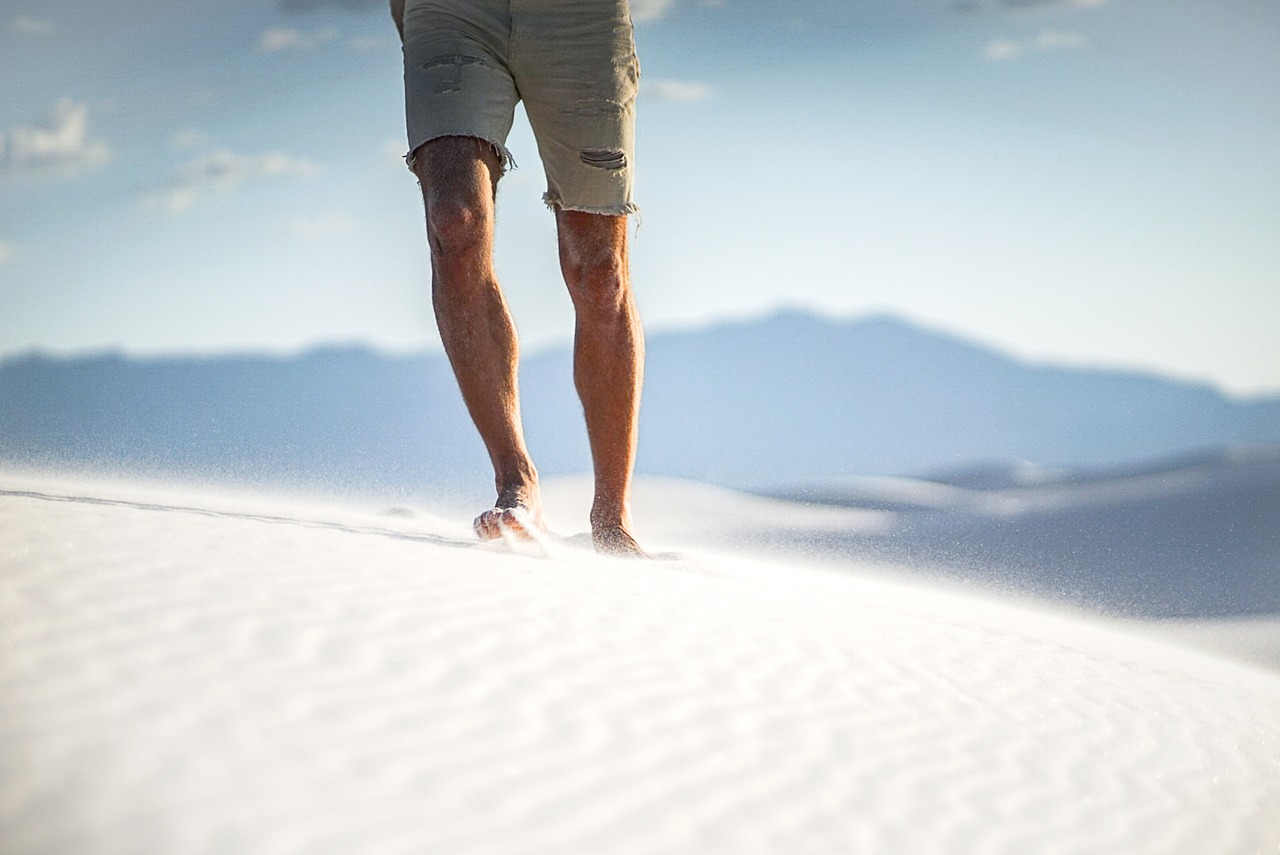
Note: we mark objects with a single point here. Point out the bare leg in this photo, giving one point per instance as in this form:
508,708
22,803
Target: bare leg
608,364
459,177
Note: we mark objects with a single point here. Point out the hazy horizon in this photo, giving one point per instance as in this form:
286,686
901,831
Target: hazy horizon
560,340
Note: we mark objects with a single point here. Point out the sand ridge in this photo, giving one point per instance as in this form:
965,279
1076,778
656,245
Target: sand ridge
202,676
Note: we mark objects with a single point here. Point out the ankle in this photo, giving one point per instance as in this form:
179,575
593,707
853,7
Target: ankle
610,516
517,475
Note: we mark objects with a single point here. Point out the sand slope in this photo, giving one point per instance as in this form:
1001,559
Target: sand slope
185,673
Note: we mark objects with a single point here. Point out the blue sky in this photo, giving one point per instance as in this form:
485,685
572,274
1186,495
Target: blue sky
1090,181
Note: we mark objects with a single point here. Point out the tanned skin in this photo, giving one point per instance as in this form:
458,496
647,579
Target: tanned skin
459,177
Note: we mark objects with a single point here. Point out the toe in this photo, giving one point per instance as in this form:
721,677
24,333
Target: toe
497,523
511,521
488,525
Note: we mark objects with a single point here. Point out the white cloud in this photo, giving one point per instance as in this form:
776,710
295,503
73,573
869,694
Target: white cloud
1003,50
677,91
28,26
59,146
650,10
8,252
278,39
189,138
978,6
1040,4
328,227
217,174
1058,40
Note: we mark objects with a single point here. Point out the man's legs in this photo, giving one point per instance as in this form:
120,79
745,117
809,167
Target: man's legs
459,176
608,364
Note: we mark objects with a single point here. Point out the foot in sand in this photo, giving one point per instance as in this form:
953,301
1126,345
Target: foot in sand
616,540
518,522
516,513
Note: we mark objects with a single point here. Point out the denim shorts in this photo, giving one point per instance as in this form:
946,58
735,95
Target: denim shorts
467,63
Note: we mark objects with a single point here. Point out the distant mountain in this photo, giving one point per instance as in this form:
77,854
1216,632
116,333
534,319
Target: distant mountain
330,417
797,397
791,398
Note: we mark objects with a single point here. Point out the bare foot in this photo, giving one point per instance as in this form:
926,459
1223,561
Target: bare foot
497,523
616,540
516,513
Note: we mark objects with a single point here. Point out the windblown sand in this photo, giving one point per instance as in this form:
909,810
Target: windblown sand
202,673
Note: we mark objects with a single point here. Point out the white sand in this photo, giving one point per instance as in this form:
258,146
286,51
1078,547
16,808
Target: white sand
200,673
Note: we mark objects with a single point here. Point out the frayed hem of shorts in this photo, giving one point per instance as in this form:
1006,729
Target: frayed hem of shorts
506,162
608,210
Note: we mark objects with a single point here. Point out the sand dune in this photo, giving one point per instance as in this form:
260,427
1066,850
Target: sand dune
189,672
1190,538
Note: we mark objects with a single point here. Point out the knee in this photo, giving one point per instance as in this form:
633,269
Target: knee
593,259
599,286
455,228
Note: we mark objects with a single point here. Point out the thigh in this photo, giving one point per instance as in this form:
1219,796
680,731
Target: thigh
591,239
459,170
575,63
456,73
